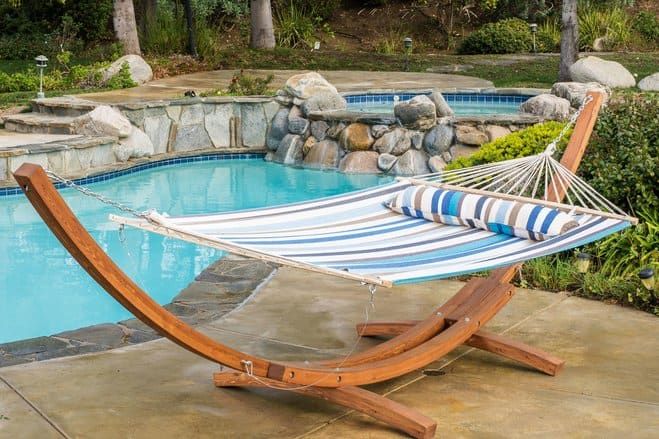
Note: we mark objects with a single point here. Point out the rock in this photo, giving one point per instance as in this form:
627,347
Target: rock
356,137
102,121
496,131
438,139
442,108
548,106
395,142
289,151
269,156
335,130
360,162
323,101
319,129
308,144
297,124
419,113
323,155
436,163
447,156
649,83
140,71
599,45
278,129
379,130
575,92
609,73
416,137
283,98
386,162
218,127
253,125
469,135
305,85
157,128
413,162
137,144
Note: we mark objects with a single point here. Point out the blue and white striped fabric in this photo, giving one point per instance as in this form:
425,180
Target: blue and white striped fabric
358,233
451,207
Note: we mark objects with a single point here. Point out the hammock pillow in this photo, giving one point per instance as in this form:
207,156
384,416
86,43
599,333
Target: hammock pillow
455,208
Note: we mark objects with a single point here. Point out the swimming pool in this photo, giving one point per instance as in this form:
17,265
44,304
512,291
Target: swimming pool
42,289
463,104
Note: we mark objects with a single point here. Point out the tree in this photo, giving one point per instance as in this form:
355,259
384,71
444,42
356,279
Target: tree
125,27
569,39
189,19
263,33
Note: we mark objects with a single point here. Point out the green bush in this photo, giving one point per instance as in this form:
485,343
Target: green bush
623,155
647,24
243,84
523,143
613,24
506,36
294,26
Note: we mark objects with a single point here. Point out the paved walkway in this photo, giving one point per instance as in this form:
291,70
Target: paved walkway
344,81
609,387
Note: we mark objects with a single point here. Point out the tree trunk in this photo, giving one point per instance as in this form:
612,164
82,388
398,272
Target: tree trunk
569,39
192,38
263,33
125,28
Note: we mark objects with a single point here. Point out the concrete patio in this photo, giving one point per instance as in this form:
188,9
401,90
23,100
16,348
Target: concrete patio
608,388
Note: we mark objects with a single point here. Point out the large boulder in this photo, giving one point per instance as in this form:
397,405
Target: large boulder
471,136
297,123
335,130
140,71
413,162
289,151
323,155
395,142
419,113
356,137
442,108
323,101
649,83
360,162
495,132
609,73
436,163
103,121
137,144
305,85
379,130
438,139
319,129
548,106
575,92
386,162
278,129
308,144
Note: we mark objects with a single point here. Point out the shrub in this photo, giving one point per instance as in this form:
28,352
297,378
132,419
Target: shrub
294,26
647,25
243,84
526,142
548,37
613,24
623,156
506,36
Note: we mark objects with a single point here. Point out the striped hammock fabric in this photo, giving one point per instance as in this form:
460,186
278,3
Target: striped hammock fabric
357,234
457,208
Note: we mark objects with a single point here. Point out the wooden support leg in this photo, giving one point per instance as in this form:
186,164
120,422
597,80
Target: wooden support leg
487,341
397,415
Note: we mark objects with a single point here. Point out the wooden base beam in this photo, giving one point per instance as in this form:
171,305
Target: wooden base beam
487,341
377,406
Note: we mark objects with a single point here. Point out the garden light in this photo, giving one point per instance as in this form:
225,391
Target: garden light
42,63
647,278
583,262
407,43
534,30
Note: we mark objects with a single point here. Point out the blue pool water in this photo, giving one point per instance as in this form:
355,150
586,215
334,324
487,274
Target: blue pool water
42,289
463,104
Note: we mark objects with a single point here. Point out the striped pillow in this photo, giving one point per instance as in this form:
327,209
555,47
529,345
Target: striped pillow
524,220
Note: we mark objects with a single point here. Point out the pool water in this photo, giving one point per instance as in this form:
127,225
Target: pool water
43,290
463,104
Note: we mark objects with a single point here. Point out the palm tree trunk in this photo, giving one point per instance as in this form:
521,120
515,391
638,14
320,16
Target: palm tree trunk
569,39
192,37
263,34
125,28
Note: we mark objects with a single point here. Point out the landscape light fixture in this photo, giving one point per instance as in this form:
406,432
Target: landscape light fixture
42,63
407,44
583,262
534,30
647,278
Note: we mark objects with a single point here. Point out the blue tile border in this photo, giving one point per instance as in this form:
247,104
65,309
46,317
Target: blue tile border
144,166
490,98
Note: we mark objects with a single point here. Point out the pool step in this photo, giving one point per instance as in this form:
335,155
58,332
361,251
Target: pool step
39,123
67,106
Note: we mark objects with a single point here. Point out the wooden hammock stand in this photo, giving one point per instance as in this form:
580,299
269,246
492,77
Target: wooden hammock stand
414,345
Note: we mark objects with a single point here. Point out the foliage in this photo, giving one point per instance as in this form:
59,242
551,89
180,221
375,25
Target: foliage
319,10
612,24
506,36
121,79
647,25
244,84
549,36
523,143
623,155
294,26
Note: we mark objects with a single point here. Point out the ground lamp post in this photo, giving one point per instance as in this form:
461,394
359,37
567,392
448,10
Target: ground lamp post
42,62
647,278
407,43
583,262
534,30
